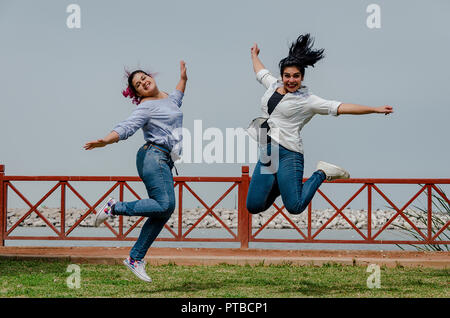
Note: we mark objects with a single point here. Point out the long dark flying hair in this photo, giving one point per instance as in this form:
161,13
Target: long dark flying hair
301,54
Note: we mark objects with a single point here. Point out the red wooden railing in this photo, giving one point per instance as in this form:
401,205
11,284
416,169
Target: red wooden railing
244,233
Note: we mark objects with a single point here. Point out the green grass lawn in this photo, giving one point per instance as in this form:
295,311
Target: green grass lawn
48,279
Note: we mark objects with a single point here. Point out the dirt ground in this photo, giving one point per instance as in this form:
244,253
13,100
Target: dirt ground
213,256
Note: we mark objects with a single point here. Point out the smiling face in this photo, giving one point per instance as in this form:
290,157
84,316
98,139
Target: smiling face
292,79
144,85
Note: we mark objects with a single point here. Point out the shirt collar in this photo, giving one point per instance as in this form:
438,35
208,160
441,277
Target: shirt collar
303,91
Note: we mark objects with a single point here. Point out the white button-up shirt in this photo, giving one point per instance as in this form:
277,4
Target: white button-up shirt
293,112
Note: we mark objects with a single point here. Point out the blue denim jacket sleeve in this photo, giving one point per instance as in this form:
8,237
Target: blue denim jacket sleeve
138,118
177,97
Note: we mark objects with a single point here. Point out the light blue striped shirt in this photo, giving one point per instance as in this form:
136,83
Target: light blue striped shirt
161,121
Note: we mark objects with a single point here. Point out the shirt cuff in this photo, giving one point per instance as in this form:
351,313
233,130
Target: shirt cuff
120,131
178,93
261,74
334,108
177,97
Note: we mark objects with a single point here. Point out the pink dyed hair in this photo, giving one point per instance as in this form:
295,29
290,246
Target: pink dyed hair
128,93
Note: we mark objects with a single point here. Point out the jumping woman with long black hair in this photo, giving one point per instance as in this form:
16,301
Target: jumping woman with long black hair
159,115
287,106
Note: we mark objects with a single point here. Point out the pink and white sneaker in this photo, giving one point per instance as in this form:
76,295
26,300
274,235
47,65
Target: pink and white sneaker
138,269
105,212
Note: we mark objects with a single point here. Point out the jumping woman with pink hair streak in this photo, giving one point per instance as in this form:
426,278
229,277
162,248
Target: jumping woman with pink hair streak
158,114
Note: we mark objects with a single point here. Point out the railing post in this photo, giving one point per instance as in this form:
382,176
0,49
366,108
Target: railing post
369,211
2,207
429,212
244,218
121,188
63,210
180,211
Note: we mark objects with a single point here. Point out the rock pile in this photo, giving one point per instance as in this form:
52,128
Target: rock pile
230,218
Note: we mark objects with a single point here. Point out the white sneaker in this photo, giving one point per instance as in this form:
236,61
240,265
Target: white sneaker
138,269
332,172
105,212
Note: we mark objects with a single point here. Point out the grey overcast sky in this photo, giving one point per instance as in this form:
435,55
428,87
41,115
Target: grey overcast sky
61,87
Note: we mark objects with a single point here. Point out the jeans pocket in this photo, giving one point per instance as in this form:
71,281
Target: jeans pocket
165,166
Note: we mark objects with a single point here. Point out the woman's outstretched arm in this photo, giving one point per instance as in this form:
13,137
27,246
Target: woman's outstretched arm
109,139
181,86
354,109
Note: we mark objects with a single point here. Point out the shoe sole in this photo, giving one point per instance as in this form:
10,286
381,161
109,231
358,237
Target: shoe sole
136,273
344,173
97,218
97,222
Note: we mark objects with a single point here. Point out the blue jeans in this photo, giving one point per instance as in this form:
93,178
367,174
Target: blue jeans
155,169
285,178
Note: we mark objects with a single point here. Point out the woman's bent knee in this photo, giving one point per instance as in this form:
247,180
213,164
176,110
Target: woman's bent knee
295,208
167,207
254,208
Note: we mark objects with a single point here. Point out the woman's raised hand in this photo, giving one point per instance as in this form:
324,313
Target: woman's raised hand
183,75
181,86
254,50
257,64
